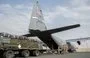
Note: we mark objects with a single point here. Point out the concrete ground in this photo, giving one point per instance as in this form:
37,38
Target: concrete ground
68,55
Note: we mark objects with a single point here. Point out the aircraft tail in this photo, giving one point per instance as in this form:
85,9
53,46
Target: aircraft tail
36,22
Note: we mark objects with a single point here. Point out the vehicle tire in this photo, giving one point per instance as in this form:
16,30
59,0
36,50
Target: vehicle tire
8,54
25,53
36,53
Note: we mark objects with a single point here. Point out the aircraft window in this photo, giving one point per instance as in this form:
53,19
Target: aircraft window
79,43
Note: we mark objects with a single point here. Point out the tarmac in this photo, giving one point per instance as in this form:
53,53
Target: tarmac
67,55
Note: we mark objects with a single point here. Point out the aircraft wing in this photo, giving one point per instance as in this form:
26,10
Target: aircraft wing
62,29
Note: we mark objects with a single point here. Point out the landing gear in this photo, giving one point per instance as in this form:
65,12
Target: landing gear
8,54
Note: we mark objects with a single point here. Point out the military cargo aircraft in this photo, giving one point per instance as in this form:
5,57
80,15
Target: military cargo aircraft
38,28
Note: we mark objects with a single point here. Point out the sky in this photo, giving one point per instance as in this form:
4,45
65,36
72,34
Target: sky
15,16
